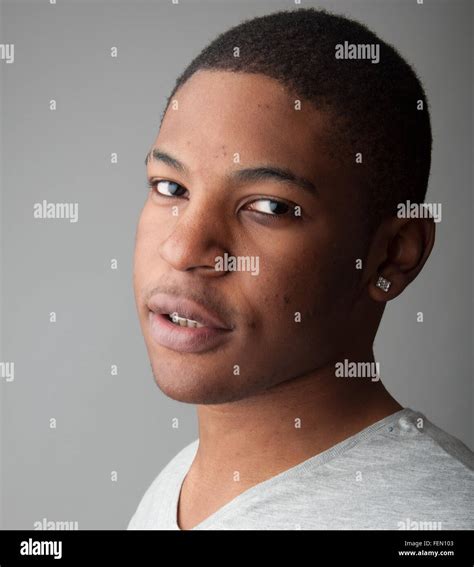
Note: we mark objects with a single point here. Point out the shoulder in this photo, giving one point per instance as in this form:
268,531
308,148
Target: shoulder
421,473
414,441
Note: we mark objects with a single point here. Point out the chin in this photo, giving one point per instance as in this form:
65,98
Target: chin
192,388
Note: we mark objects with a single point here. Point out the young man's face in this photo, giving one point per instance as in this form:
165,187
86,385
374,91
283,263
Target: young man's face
297,312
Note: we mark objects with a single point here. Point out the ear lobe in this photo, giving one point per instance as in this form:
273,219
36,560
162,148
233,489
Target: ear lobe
382,288
405,255
383,284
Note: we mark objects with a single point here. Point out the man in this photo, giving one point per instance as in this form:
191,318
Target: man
265,254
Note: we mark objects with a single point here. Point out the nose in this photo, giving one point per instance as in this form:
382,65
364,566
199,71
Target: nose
196,239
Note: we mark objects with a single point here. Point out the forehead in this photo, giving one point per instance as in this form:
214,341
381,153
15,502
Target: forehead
220,112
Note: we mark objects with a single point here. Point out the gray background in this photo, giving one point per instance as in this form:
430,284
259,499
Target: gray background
123,423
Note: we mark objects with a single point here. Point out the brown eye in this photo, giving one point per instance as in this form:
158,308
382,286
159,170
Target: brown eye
168,188
269,207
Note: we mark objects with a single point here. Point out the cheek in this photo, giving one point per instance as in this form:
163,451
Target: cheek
139,253
148,234
283,287
296,274
145,250
299,291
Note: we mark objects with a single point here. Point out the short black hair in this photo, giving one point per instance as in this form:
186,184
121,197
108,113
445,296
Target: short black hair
379,109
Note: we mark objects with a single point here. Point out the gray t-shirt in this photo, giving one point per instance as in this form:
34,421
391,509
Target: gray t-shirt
402,472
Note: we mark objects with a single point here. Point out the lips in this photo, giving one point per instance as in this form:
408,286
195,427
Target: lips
211,332
163,304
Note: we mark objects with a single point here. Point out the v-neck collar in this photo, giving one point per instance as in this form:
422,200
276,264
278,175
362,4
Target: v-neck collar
303,467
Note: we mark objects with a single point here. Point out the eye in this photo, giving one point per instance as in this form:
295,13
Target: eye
270,207
167,188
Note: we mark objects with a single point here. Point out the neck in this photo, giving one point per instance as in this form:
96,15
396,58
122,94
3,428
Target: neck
270,432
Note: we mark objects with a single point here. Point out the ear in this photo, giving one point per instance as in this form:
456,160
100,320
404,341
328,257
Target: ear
399,251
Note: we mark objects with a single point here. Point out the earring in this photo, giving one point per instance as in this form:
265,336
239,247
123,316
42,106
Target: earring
383,284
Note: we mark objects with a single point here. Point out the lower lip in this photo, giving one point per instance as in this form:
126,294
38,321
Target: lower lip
184,339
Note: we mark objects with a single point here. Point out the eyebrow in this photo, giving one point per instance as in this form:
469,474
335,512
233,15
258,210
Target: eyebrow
281,175
260,173
157,155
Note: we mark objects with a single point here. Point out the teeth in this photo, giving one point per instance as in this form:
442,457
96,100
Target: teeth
183,322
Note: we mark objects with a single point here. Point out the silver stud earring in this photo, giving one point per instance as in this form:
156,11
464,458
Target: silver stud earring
383,284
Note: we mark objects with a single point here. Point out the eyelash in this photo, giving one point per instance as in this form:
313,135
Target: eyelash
152,184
